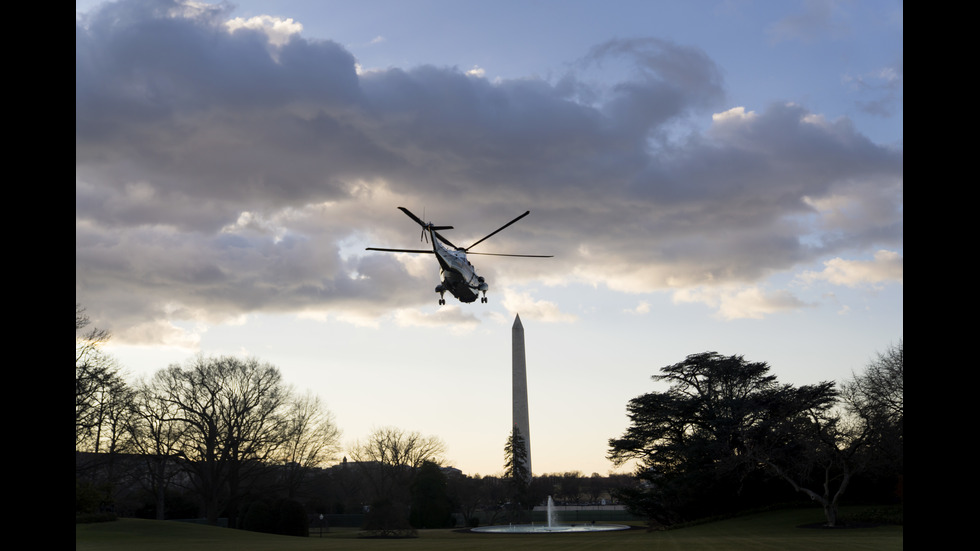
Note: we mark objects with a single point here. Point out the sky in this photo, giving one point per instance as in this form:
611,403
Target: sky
710,176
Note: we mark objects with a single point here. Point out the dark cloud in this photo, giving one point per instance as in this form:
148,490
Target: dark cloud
219,172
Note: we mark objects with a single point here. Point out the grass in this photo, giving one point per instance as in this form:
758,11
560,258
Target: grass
777,530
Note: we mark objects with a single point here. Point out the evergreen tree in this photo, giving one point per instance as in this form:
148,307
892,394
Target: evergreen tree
701,445
515,468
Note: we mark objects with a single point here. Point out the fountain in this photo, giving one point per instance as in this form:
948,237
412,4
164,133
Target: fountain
551,527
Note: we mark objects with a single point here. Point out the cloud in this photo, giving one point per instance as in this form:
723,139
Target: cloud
641,309
881,90
886,266
541,310
157,332
451,315
818,18
233,166
741,302
279,31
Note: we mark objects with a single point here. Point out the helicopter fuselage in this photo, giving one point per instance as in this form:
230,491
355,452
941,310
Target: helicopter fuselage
458,276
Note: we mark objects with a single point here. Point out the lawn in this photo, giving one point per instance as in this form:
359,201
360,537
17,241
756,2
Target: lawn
780,530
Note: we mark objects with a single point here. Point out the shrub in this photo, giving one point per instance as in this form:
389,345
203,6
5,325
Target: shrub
286,517
260,517
87,497
293,520
386,520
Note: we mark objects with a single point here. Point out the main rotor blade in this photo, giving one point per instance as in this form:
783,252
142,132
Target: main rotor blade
421,223
422,251
520,255
467,249
412,216
435,229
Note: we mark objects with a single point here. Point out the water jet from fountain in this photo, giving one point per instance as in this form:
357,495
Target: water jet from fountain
551,527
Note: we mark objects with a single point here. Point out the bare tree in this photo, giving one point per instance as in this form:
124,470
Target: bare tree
876,399
99,387
156,436
399,448
878,394
389,456
312,439
233,411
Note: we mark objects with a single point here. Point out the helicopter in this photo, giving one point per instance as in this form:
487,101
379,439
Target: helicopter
457,275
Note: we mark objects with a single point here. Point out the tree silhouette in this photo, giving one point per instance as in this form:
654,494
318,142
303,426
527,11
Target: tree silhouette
701,443
515,468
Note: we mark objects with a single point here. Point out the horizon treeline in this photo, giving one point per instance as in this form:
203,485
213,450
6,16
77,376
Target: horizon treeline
228,438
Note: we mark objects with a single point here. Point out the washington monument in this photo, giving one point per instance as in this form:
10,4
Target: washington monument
519,368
